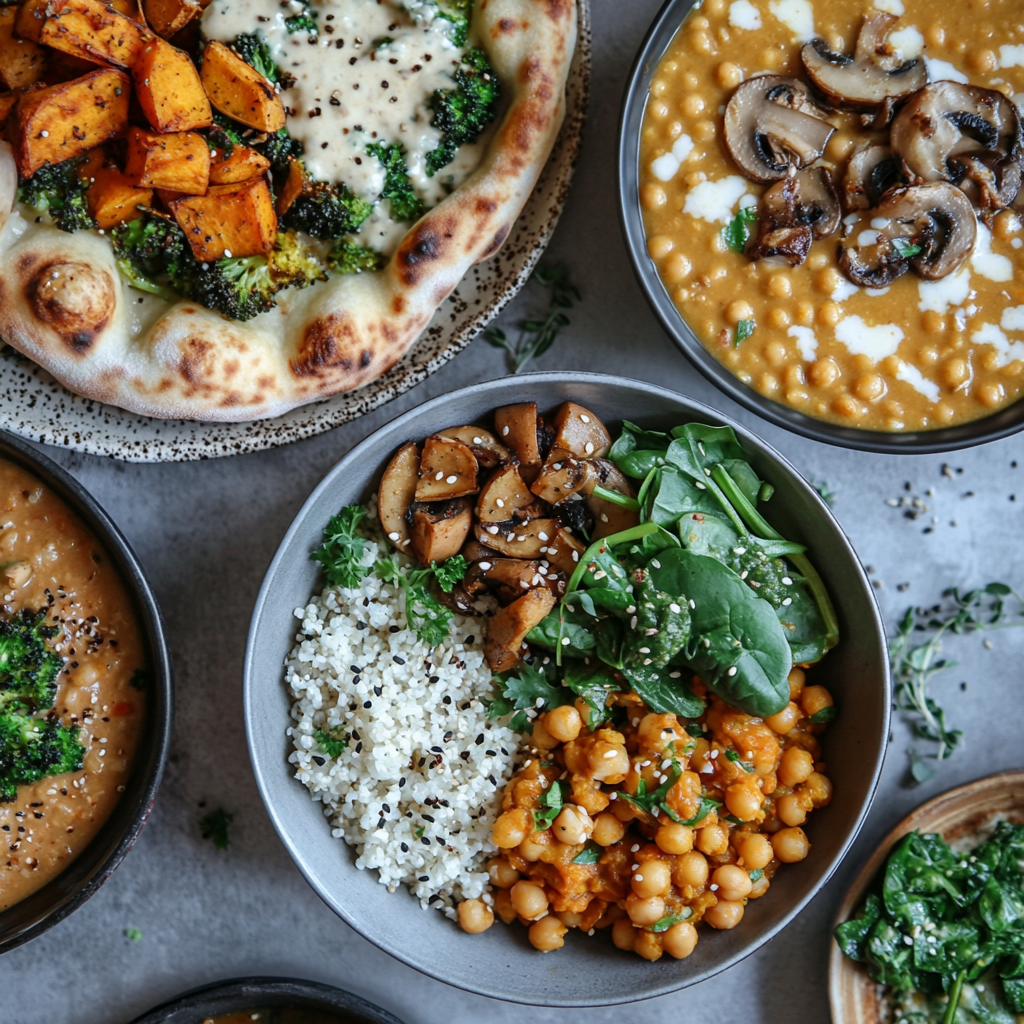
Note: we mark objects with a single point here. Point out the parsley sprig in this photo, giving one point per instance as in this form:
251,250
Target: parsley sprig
425,614
342,550
549,805
915,665
524,689
537,336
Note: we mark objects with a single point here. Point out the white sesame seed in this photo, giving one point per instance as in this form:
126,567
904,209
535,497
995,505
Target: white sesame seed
787,581
439,475
542,536
478,440
608,754
645,650
485,566
575,555
632,623
631,609
655,563
675,675
45,134
713,754
699,485
613,796
693,604
227,252
451,480
504,431
589,448
638,878
500,503
647,661
565,643
584,417
732,671
394,536
739,551
788,601
675,608
744,574
713,887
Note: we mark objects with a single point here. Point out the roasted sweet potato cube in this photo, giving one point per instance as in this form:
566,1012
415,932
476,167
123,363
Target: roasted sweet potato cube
439,532
486,448
447,470
113,198
397,492
65,67
22,61
516,426
503,496
562,476
519,540
94,31
66,120
510,578
28,21
564,551
130,9
242,164
293,187
167,17
94,160
169,89
240,91
579,431
176,160
230,220
7,102
507,629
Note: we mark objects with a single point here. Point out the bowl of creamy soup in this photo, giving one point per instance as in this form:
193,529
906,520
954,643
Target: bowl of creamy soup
823,204
85,694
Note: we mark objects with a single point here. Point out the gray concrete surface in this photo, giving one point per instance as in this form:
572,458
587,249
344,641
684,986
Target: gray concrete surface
206,532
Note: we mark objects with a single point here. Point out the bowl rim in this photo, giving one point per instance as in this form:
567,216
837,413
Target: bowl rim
151,757
232,991
397,427
838,964
999,424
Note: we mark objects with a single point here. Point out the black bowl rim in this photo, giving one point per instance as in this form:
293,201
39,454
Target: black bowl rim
573,377
152,759
1002,423
239,990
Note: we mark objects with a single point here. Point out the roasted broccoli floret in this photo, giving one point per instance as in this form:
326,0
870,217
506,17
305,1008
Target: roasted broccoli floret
240,287
327,211
462,113
349,258
279,148
256,53
458,12
58,191
32,749
405,204
153,255
292,264
28,668
305,21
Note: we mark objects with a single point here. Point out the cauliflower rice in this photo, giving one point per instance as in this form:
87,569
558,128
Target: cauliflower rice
419,784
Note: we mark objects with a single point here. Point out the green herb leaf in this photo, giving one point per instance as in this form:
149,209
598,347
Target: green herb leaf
425,614
738,231
215,826
757,875
590,854
550,804
825,715
733,755
707,805
449,572
342,549
906,248
332,746
744,329
663,924
418,831
133,934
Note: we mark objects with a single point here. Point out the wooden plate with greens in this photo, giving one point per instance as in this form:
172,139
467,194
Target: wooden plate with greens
943,894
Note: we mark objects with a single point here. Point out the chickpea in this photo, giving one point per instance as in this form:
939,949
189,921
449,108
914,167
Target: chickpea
569,918
767,383
819,788
790,845
743,801
827,280
609,763
991,394
795,767
805,313
982,61
502,874
955,372
817,260
797,396
703,131
739,310
674,838
659,110
608,829
653,197
1007,224
512,828
789,809
542,739
795,375
659,246
475,916
531,848
563,723
644,912
712,839
783,721
934,35
624,934
648,945
869,387
503,906
699,23
776,353
728,75
830,314
572,826
796,679
815,699
690,80
655,732
933,323
733,883
529,899
779,286
692,105
623,810
547,934
755,850
653,879
691,869
676,268
724,915
701,42
778,318
680,940
760,887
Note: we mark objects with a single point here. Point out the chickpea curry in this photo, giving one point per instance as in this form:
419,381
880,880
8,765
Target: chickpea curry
72,680
650,631
832,197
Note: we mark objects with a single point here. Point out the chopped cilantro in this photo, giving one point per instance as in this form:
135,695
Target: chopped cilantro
737,232
732,755
744,329
215,826
906,248
666,922
590,854
332,746
549,805
133,934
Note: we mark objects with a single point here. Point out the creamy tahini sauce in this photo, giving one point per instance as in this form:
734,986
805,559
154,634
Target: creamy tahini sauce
349,92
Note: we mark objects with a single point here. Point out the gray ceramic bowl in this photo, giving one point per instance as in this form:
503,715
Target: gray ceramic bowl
266,994
501,963
1000,424
69,890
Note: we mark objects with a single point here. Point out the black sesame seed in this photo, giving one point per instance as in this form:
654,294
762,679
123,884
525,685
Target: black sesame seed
446,699
394,629
493,780
360,624
427,817
471,639
436,750
433,679
405,848
355,735
504,751
448,735
367,703
397,660
319,760
479,739
424,878
359,748
356,669
378,690
425,841
387,808
401,782
440,841
464,755
434,898
491,753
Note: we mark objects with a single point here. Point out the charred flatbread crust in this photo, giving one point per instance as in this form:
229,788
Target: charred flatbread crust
64,304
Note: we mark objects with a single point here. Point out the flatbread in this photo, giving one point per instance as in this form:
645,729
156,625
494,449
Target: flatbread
64,304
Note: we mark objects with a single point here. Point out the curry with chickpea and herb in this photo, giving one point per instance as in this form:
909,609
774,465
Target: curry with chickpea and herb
647,626
832,197
72,685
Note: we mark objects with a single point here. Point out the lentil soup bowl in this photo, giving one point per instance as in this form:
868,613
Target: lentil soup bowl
107,828
786,334
501,963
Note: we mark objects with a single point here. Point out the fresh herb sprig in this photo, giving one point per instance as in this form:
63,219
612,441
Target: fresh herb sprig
215,825
537,336
549,805
737,232
343,547
995,606
425,614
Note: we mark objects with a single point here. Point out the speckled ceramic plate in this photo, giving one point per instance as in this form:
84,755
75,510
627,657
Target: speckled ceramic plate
35,406
961,812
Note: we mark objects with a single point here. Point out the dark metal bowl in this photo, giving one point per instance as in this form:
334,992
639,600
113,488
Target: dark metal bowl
922,442
501,963
265,994
94,865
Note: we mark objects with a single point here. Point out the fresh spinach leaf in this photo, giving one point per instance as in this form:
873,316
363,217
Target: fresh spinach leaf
665,691
658,628
593,683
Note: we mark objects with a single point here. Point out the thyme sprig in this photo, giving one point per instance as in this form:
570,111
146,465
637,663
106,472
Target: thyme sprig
995,606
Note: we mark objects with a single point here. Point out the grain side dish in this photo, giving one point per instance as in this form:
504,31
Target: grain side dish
72,685
562,679
831,195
